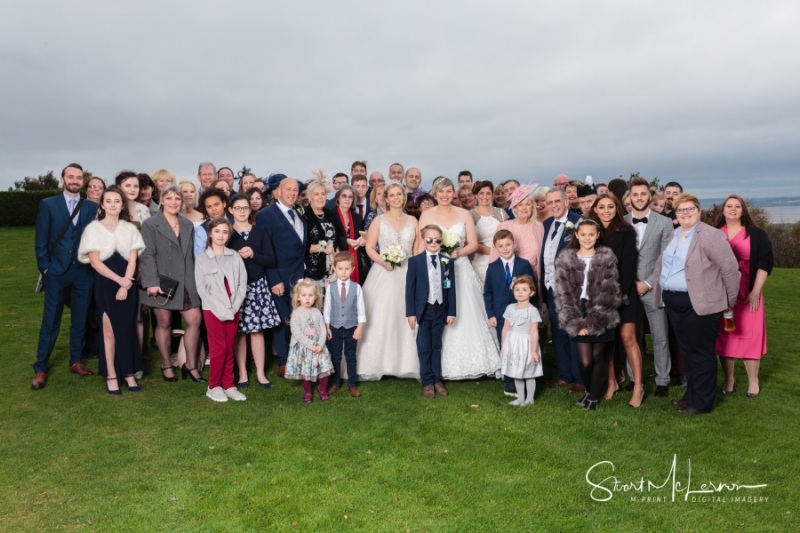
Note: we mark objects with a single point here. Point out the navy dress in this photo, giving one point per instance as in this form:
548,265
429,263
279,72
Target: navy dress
122,315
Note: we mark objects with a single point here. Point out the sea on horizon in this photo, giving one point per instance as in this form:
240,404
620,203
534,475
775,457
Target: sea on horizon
781,210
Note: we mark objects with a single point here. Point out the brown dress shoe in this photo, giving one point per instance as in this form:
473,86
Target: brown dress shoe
680,404
577,387
427,391
39,381
354,392
333,390
440,390
557,383
281,370
80,369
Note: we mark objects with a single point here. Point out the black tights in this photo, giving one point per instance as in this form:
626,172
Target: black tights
593,366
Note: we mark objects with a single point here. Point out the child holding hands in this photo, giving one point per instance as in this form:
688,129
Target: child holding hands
521,359
309,359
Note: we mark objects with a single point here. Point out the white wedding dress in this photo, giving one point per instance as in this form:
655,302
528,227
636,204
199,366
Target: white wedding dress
388,346
485,228
469,346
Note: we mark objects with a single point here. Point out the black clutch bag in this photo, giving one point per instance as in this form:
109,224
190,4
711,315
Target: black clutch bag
168,286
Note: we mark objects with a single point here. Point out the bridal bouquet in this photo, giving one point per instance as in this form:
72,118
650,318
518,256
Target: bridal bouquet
394,255
450,241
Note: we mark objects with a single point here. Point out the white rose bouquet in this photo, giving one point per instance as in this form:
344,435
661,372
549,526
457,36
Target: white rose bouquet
394,255
450,242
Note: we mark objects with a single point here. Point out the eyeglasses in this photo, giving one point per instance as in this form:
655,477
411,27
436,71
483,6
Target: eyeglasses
346,196
241,208
685,210
429,240
95,187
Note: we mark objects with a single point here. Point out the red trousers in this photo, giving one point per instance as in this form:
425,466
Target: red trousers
221,341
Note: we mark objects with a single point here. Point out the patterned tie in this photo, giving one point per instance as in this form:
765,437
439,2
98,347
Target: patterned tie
343,293
508,276
433,262
555,230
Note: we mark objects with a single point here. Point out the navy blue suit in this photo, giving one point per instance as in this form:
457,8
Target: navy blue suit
431,318
289,251
566,353
65,274
497,295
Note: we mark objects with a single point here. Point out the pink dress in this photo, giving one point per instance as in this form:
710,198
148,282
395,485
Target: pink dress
527,242
749,339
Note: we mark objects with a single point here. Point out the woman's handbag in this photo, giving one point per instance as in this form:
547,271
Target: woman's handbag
168,286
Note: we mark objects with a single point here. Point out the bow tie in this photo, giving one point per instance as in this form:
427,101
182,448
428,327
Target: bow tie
643,220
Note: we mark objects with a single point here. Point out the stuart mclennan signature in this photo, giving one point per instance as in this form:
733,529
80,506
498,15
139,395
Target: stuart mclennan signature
604,488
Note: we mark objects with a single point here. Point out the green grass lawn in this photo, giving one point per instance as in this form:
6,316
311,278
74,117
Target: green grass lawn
168,458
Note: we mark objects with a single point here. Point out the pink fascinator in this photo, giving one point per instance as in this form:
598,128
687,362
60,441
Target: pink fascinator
522,192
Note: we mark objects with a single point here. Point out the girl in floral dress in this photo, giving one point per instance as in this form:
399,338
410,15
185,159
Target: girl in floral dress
309,359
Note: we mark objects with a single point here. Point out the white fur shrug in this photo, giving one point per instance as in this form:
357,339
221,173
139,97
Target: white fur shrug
97,238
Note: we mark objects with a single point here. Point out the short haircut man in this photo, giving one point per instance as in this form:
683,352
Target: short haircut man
57,239
413,180
339,179
509,186
376,178
206,175
358,168
226,174
396,172
561,181
464,178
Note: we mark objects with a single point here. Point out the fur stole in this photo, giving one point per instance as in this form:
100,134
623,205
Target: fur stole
602,289
97,238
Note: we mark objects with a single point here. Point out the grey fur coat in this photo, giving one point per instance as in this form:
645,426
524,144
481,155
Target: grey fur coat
602,289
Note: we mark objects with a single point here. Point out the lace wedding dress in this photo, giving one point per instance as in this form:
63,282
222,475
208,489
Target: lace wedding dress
469,345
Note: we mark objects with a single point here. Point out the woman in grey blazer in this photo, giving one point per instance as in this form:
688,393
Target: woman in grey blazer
697,278
168,255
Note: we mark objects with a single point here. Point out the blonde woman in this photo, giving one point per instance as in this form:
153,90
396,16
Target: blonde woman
189,194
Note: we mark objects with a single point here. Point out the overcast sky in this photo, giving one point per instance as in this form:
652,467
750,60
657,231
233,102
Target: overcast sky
702,92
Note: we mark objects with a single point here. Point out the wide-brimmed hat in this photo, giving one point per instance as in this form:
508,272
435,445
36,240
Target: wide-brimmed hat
522,192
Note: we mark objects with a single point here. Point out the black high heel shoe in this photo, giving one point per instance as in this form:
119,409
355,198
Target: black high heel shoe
132,388
188,372
166,377
113,392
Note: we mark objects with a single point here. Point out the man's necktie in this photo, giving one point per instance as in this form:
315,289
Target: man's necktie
433,261
643,220
344,290
291,215
508,275
556,224
361,210
72,202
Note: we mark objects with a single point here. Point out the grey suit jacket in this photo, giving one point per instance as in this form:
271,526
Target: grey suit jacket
712,272
165,255
656,237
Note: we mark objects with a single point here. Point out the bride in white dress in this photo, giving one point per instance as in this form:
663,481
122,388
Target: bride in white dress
388,346
469,345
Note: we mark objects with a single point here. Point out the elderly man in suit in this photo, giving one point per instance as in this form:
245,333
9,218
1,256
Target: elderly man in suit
653,233
59,227
287,231
558,230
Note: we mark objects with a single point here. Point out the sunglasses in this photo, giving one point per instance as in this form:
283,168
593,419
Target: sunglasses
429,240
